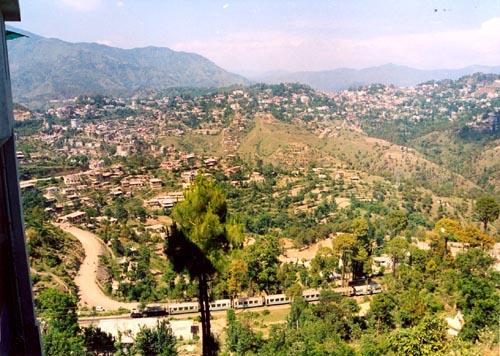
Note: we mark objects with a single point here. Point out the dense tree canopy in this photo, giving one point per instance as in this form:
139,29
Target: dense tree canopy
61,333
155,341
487,209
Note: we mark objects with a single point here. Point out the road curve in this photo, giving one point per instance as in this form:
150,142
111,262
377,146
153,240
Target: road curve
90,294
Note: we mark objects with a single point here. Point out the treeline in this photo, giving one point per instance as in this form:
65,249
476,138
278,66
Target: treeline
63,336
407,319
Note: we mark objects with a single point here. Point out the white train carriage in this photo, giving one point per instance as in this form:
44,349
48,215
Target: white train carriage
277,299
311,295
222,304
183,308
251,302
376,288
372,288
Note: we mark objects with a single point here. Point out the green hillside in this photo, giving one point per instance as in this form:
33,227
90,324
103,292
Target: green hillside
294,146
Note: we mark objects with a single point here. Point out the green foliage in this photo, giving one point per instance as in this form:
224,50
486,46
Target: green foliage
45,240
97,341
298,313
61,343
200,243
143,284
33,203
155,341
262,259
323,267
373,345
201,218
59,309
338,313
427,338
487,210
236,276
396,222
355,249
478,293
28,127
240,338
236,234
320,329
381,313
397,248
61,335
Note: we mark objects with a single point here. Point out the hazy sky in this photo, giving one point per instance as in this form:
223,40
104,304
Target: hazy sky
250,36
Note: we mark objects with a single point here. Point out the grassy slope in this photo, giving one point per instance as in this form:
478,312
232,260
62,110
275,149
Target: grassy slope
280,142
55,266
200,144
477,161
277,142
274,141
380,157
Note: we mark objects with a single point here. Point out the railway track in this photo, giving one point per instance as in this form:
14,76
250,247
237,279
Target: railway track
311,296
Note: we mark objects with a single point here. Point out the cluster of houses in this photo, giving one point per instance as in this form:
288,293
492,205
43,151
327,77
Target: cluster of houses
445,99
91,129
165,201
87,126
69,196
486,123
67,199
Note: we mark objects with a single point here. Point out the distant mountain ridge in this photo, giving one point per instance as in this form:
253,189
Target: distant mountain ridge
344,78
47,68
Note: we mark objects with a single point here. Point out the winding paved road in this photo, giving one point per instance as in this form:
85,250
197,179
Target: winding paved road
90,294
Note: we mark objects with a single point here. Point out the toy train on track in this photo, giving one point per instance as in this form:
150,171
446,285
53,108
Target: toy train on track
310,295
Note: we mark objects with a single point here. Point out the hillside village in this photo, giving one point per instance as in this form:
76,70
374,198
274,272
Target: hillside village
297,167
229,113
249,178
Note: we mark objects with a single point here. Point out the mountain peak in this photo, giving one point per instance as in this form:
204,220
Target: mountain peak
47,68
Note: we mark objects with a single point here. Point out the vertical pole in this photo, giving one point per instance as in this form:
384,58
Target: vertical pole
19,333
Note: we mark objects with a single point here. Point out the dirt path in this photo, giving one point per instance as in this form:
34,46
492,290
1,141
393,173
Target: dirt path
90,294
307,254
